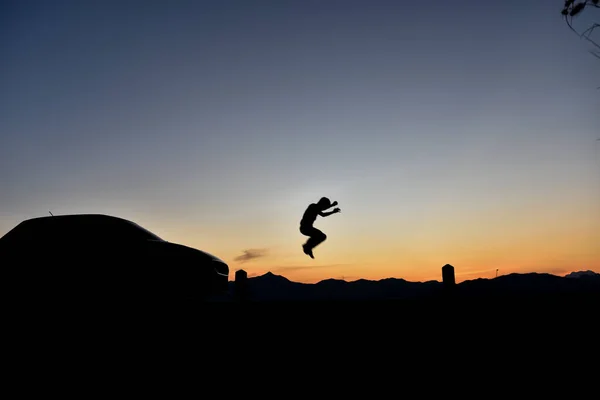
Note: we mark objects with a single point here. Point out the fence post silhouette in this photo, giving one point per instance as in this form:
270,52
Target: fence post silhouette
448,280
241,285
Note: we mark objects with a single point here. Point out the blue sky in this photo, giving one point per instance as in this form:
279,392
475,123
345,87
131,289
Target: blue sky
215,123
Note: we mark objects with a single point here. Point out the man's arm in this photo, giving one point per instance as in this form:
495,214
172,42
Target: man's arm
335,203
328,213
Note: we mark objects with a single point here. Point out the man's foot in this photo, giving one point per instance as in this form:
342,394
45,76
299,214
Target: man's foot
308,251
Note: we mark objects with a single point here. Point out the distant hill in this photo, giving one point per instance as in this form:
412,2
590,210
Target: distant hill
584,274
271,287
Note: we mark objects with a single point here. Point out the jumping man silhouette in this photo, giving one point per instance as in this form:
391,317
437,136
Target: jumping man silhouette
315,236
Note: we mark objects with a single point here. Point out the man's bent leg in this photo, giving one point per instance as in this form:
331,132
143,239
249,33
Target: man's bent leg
316,238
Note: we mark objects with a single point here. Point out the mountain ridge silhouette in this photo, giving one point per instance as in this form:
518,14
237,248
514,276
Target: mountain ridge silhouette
270,286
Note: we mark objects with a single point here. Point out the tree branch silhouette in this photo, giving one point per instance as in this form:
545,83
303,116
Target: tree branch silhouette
573,9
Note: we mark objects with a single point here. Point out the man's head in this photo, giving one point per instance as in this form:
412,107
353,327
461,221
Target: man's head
324,203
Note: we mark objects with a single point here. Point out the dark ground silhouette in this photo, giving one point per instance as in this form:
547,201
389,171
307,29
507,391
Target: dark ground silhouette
274,288
315,236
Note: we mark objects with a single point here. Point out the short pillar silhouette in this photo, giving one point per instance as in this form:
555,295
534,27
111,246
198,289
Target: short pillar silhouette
241,285
448,276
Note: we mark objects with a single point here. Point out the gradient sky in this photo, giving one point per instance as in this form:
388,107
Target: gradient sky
461,132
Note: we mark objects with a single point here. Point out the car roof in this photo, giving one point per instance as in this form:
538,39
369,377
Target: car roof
77,216
81,218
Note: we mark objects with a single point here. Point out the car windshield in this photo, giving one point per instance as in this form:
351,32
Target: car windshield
114,229
144,233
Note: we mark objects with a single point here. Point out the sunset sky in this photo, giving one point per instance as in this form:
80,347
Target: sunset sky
460,132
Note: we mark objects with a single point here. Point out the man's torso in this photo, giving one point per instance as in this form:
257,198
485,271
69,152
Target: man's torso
310,215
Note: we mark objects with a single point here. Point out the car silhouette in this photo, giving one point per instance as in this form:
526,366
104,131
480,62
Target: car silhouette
95,256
